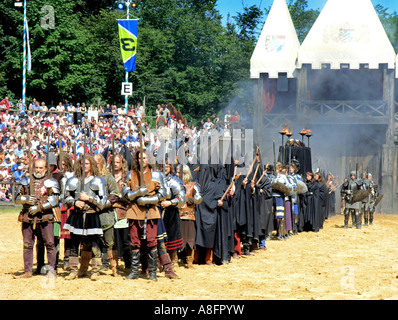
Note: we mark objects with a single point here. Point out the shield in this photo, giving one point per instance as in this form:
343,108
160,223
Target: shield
301,187
378,199
281,187
360,195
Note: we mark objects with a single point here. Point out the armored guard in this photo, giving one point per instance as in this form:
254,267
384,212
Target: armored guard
68,172
38,195
120,205
348,190
87,196
366,201
373,197
171,216
301,188
193,197
144,190
281,188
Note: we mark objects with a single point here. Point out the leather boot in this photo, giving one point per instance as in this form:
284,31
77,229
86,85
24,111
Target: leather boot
354,219
246,249
209,256
135,264
84,263
346,218
95,268
165,262
366,217
24,275
112,255
190,255
74,267
66,266
153,263
105,261
174,258
359,221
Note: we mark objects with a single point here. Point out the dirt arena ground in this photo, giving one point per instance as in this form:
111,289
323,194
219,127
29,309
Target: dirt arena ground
333,264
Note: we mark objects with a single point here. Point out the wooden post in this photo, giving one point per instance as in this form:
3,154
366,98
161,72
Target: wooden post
258,113
388,154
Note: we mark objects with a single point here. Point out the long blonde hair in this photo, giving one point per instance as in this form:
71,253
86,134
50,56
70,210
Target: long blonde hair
186,174
102,169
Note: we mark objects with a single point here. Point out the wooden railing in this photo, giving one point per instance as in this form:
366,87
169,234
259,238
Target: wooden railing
375,112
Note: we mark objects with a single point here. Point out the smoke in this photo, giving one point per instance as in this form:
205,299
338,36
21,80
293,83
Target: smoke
346,113
242,104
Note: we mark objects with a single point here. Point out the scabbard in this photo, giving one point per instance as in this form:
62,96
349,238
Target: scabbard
34,223
145,222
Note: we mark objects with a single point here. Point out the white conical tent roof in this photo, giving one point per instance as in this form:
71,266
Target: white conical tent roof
277,46
347,32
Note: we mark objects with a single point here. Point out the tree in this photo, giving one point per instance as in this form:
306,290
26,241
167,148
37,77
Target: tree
185,56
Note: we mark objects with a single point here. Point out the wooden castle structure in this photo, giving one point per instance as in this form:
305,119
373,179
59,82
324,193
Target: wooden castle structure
339,84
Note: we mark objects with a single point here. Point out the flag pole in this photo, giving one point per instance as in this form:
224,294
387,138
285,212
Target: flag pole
126,97
24,56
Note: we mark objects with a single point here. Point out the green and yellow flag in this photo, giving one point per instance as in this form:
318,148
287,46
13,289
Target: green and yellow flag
128,30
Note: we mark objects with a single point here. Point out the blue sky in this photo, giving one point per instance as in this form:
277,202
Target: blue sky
234,6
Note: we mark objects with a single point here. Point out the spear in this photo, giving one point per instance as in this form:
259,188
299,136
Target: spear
274,155
48,155
60,150
113,153
30,173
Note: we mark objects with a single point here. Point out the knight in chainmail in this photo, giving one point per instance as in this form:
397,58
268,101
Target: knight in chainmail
354,208
86,198
38,198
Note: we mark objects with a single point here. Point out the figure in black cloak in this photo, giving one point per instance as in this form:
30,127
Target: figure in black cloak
323,195
206,212
239,219
310,205
263,190
245,218
224,237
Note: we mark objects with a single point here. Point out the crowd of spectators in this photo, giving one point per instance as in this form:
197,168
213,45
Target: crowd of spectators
51,125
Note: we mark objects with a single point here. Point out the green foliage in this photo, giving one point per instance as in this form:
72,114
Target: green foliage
390,24
185,55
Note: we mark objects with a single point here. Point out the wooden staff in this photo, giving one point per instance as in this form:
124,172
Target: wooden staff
250,171
229,187
265,171
255,172
234,177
